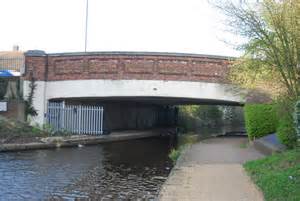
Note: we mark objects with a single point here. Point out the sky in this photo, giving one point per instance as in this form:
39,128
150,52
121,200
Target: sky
186,26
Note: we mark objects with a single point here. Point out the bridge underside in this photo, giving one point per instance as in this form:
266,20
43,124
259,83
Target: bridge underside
147,92
152,100
131,113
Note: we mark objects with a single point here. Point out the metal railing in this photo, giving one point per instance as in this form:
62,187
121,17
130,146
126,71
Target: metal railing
12,63
77,119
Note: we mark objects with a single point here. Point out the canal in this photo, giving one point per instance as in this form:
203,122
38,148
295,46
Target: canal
128,170
122,170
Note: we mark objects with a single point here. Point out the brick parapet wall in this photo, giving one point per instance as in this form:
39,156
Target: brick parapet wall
133,67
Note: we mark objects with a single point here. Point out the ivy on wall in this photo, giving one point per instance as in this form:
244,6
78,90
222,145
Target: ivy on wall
29,109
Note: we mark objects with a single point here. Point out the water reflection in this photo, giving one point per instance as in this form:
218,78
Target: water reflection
123,170
120,171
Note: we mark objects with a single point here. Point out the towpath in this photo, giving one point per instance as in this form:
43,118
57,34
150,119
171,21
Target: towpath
212,170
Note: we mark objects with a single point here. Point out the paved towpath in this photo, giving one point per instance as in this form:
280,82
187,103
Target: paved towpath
212,170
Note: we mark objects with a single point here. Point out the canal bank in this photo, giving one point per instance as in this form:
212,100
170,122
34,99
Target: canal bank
211,170
81,140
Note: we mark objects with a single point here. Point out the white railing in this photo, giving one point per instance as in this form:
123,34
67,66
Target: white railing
77,119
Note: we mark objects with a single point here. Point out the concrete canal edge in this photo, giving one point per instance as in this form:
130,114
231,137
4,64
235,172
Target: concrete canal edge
175,168
73,141
269,144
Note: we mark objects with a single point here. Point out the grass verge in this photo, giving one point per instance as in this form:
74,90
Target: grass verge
12,131
278,176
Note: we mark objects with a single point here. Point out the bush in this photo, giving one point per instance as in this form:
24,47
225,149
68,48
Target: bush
297,118
174,155
286,131
193,117
260,120
11,129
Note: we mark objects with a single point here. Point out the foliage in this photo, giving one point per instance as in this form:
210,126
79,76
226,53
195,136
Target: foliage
271,30
13,129
183,141
208,112
243,145
297,117
48,128
251,74
194,116
278,176
260,120
286,126
188,138
286,131
174,154
62,132
29,109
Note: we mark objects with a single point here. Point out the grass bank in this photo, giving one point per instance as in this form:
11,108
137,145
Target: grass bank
12,131
278,176
183,141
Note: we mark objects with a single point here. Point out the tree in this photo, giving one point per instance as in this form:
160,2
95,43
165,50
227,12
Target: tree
272,51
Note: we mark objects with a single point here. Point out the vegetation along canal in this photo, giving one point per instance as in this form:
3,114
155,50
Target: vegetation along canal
122,170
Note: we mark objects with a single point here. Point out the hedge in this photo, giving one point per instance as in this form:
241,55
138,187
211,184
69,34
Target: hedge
260,120
297,117
286,131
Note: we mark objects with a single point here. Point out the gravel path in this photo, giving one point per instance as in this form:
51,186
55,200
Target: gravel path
212,170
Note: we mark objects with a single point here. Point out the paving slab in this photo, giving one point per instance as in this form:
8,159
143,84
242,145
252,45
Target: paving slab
212,170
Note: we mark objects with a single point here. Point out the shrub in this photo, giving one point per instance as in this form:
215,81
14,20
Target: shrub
260,120
286,131
174,154
297,118
193,117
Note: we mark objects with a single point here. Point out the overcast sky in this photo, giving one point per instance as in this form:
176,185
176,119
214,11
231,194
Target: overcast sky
189,26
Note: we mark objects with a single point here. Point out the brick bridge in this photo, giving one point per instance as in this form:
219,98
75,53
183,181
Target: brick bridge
144,77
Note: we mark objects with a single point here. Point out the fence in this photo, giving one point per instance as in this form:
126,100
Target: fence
77,119
12,63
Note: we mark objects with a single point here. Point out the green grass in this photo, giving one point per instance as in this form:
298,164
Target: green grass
15,129
174,154
243,145
278,176
183,141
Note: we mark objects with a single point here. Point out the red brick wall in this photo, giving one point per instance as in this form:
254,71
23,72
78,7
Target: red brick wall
36,66
140,67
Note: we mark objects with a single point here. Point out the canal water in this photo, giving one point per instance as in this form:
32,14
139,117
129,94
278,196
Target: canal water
128,170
